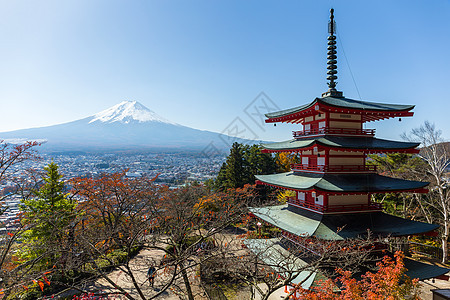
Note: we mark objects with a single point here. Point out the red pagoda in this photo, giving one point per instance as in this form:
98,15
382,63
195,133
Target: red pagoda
333,185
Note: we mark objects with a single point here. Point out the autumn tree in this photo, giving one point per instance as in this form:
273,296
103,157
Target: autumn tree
284,160
12,159
112,222
190,228
113,204
180,227
388,282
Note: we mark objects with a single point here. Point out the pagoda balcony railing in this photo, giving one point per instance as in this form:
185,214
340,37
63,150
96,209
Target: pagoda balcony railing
334,169
335,208
336,131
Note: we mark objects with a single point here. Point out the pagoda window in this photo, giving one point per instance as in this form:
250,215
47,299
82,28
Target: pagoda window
346,124
342,153
312,197
346,161
319,200
321,161
320,116
301,196
322,124
309,119
348,199
305,160
335,116
307,127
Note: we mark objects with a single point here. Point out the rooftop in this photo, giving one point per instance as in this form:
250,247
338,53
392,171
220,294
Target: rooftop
339,227
366,144
341,183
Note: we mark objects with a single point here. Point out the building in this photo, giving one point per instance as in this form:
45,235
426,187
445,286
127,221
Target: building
333,184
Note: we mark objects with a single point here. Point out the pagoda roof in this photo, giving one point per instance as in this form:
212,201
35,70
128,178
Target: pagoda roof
340,183
342,104
423,271
366,144
272,252
339,227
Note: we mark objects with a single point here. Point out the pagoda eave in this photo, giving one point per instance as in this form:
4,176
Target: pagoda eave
322,147
417,191
341,183
326,142
304,223
318,106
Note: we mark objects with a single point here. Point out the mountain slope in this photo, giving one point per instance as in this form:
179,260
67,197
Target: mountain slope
126,126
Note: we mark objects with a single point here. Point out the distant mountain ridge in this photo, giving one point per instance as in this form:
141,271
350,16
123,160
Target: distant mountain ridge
127,126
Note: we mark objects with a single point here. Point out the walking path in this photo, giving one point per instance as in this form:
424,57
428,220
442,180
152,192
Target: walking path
428,285
148,257
139,265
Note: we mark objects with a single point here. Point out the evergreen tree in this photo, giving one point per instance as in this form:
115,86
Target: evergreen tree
241,166
47,215
257,163
234,172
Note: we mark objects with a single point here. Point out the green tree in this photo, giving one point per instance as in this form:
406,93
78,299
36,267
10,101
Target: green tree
257,162
48,215
241,166
235,167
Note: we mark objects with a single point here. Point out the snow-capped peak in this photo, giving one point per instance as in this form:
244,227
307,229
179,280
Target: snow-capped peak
126,112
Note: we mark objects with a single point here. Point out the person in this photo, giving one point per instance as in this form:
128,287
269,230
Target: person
151,274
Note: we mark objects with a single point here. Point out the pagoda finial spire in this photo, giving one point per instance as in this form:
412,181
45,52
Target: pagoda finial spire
331,56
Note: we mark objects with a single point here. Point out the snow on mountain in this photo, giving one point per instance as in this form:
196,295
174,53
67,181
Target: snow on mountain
126,126
126,112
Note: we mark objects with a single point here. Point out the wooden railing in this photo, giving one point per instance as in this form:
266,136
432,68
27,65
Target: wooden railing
335,169
335,208
339,131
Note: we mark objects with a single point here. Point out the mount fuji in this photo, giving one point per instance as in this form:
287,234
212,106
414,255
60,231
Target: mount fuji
127,126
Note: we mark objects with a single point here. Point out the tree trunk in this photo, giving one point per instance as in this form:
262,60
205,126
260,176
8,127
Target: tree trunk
186,282
445,240
444,203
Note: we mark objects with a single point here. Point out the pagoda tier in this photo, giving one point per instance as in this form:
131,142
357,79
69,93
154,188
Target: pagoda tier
341,143
333,193
332,107
302,223
341,183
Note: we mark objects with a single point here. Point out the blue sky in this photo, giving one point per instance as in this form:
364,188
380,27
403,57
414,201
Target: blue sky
201,63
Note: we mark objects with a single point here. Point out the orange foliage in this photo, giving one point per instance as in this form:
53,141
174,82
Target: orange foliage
41,285
389,282
114,205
